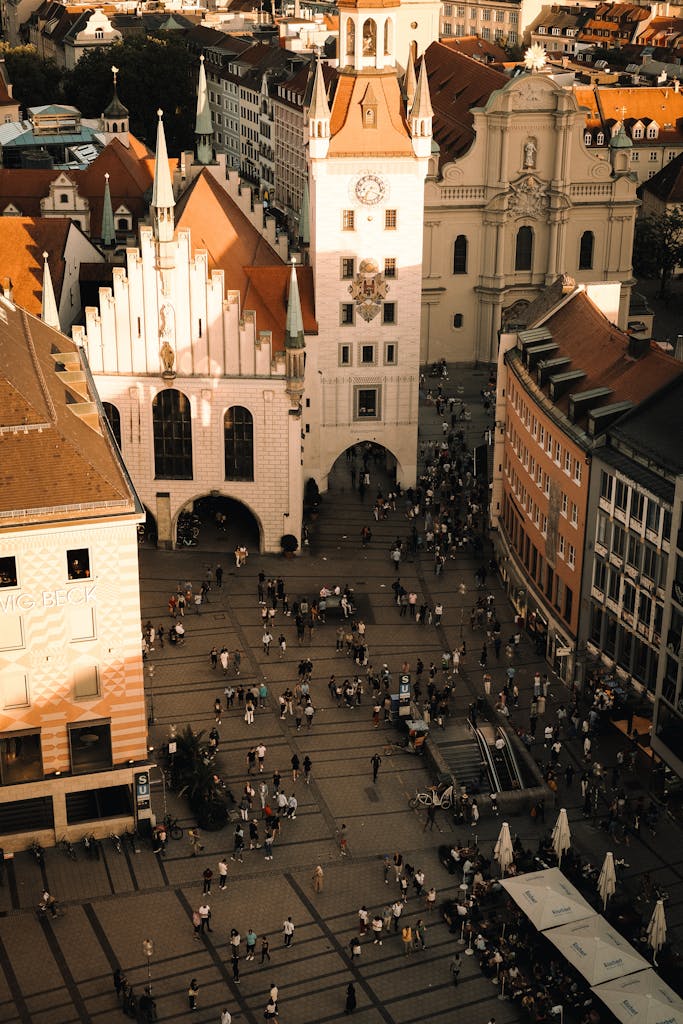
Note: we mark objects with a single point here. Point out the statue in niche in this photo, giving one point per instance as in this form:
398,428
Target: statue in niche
369,38
168,359
530,153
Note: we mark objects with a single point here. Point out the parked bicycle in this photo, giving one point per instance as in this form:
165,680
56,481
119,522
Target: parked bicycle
67,847
37,852
435,796
172,827
116,842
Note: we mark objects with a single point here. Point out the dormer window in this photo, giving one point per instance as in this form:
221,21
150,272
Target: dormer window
600,139
637,131
652,130
587,138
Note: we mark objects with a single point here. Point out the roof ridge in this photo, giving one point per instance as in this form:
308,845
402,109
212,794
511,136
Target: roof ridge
47,397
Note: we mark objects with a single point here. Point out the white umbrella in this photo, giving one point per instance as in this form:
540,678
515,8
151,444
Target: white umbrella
596,950
641,998
503,851
656,930
607,882
547,898
561,835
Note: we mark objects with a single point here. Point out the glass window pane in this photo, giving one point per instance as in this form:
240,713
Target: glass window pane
90,746
114,418
82,619
172,436
21,758
86,682
14,688
238,433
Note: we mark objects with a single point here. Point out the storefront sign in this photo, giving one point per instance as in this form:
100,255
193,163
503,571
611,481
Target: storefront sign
142,791
12,603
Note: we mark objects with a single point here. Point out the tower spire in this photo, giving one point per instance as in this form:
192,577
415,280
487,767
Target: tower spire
163,200
48,313
410,81
108,231
295,342
421,114
319,115
202,127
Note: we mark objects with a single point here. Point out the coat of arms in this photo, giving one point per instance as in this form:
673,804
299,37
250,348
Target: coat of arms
368,289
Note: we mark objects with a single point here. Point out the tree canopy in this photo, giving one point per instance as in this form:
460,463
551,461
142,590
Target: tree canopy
658,247
36,81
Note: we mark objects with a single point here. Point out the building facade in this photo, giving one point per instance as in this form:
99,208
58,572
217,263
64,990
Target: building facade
73,726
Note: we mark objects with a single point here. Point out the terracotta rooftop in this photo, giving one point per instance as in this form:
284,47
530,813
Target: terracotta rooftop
476,47
218,226
267,294
65,468
22,243
456,84
348,136
667,184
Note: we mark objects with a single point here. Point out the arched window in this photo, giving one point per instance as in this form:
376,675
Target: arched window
114,127
64,198
587,138
114,419
586,251
350,37
238,434
172,436
388,34
600,139
122,224
524,248
460,255
369,38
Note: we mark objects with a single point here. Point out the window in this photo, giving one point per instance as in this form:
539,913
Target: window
650,563
637,506
568,604
458,320
565,504
390,266
575,514
558,452
348,220
21,757
614,585
388,312
172,424
500,15
122,224
599,575
629,597
367,355
114,420
346,313
561,546
14,689
78,563
644,608
621,495
86,682
390,353
587,138
571,556
577,471
486,32
90,745
460,255
238,439
586,251
541,436
606,485
344,355
8,571
652,517
11,635
390,220
524,248
348,267
367,403
486,14
567,462
618,541
64,198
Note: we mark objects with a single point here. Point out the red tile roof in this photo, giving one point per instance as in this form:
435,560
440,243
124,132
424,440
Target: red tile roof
349,136
267,294
22,243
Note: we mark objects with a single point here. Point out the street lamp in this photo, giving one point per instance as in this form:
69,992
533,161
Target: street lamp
152,718
148,950
462,589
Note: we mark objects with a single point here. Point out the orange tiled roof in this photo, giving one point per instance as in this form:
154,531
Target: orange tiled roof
474,46
22,243
267,294
65,465
349,137
219,227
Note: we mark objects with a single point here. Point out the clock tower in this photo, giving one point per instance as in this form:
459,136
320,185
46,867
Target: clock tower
368,150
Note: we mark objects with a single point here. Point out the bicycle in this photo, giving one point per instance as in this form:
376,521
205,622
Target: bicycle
433,798
67,847
395,748
172,827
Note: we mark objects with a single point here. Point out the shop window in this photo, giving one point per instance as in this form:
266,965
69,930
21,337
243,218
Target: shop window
78,563
238,439
90,746
21,758
8,571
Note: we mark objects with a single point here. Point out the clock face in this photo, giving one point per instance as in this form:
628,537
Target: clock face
370,189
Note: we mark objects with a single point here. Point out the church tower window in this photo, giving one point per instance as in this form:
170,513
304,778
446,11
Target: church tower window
238,435
524,248
586,251
369,38
350,38
172,425
460,255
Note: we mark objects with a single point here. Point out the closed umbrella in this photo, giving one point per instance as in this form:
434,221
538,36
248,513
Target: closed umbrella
656,930
562,839
503,851
607,882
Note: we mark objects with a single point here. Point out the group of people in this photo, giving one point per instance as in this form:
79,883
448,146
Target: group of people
138,1007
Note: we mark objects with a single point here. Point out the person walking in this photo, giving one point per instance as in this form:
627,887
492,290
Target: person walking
261,755
317,878
192,993
222,873
308,764
206,881
226,1016
420,934
196,924
407,938
288,931
195,842
350,998
213,656
375,761
396,911
265,949
377,925
455,969
235,967
295,767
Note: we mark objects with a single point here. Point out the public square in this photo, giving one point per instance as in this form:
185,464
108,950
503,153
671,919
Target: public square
61,970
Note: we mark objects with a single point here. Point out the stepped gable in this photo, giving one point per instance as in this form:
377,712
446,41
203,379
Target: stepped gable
457,83
56,454
22,243
218,226
267,294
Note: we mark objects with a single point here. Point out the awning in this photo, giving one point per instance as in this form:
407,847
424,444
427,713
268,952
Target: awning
642,998
547,898
597,951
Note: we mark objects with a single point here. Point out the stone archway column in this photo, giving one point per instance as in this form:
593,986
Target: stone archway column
164,520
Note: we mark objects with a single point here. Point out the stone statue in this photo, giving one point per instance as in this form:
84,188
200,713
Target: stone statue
530,153
167,357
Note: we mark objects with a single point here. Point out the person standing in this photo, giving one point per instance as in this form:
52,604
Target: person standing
235,967
192,993
317,878
308,764
213,655
288,931
375,761
265,949
226,1016
295,767
438,613
377,930
206,881
205,917
407,938
350,998
219,575
420,934
196,924
195,842
251,944
222,873
455,969
396,911
267,639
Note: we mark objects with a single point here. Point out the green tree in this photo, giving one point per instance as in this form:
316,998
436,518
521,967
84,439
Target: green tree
36,81
154,72
658,247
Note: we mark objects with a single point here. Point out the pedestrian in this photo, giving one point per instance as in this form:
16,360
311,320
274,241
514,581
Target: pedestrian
438,613
147,1006
251,944
407,937
455,969
119,983
430,899
350,998
398,866
222,873
430,819
235,967
420,934
267,640
354,947
309,711
377,924
308,764
226,1016
261,754
195,842
317,878
343,841
363,920
274,993
206,879
375,761
282,643
295,767
192,993
205,917
288,931
396,911
196,924
265,949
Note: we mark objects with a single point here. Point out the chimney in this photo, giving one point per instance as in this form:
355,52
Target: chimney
637,347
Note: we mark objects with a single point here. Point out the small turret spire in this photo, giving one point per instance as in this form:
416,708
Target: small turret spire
319,116
202,128
410,81
294,329
163,200
108,231
421,115
49,314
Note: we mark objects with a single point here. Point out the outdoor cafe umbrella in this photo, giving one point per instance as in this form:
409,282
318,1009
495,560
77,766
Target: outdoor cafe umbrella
641,998
607,882
656,930
561,835
502,851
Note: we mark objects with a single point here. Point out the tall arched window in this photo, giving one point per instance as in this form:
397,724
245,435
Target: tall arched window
460,255
524,248
238,434
388,37
369,38
586,251
172,420
114,419
350,37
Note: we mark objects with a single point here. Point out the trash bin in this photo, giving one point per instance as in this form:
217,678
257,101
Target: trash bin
394,708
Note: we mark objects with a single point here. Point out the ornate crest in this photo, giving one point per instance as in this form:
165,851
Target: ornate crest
528,197
368,289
